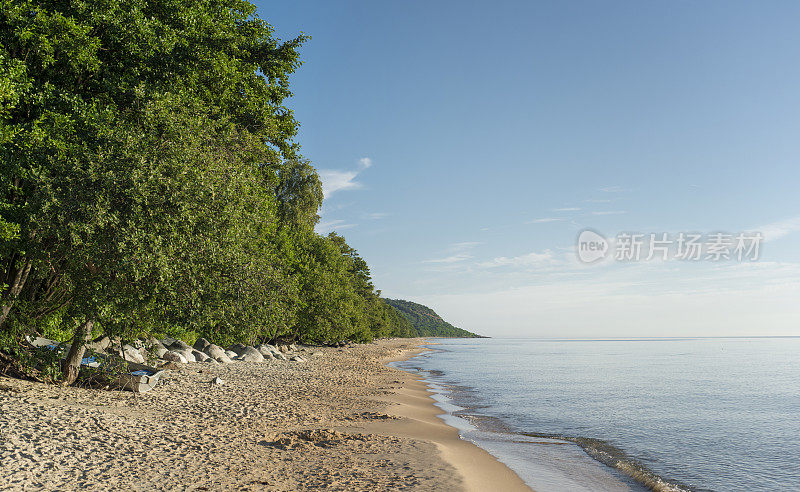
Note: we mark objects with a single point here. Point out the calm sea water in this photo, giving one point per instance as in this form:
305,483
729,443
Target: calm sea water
718,414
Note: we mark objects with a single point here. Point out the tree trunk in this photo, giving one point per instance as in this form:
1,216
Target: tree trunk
72,364
19,282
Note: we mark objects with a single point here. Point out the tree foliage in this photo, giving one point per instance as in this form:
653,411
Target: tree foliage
425,322
150,180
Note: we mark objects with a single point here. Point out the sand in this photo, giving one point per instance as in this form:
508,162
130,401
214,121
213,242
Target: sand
341,421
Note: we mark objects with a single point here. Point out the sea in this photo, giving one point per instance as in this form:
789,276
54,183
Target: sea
664,414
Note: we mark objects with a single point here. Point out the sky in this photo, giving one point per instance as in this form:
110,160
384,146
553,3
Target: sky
464,146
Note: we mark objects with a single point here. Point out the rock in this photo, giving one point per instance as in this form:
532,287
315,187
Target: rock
99,344
283,348
297,358
224,359
264,349
167,341
160,350
199,356
172,356
292,347
217,381
237,348
171,366
250,354
268,349
154,343
213,351
280,356
180,345
268,355
231,354
316,354
201,344
210,361
187,354
132,355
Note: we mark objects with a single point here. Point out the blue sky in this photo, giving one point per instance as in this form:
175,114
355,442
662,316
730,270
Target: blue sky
464,145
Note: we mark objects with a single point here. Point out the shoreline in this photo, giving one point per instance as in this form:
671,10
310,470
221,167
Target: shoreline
415,404
541,461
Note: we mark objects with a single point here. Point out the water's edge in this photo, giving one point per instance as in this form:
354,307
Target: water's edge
543,461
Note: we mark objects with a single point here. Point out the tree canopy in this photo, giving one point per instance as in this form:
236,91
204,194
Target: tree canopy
151,183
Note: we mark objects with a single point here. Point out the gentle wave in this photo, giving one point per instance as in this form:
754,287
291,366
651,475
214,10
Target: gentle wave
616,458
597,449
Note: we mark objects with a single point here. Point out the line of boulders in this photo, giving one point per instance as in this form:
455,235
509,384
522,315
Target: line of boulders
174,350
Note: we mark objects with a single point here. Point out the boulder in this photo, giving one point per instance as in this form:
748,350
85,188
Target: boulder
187,354
99,344
160,350
237,348
231,354
280,356
201,344
264,349
210,361
217,381
214,351
268,355
167,341
171,356
199,356
132,355
250,354
154,344
283,348
180,345
296,358
292,347
224,359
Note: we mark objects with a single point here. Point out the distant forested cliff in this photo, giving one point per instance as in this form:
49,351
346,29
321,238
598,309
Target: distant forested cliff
426,322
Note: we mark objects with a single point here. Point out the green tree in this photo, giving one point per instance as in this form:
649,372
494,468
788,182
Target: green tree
141,142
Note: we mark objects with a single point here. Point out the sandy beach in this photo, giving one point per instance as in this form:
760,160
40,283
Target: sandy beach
341,421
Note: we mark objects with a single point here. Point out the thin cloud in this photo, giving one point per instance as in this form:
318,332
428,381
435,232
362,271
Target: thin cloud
377,215
459,253
529,260
610,212
545,220
332,225
567,209
779,229
464,245
335,180
611,189
451,259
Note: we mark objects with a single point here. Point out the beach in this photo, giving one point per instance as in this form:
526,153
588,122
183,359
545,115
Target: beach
343,420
